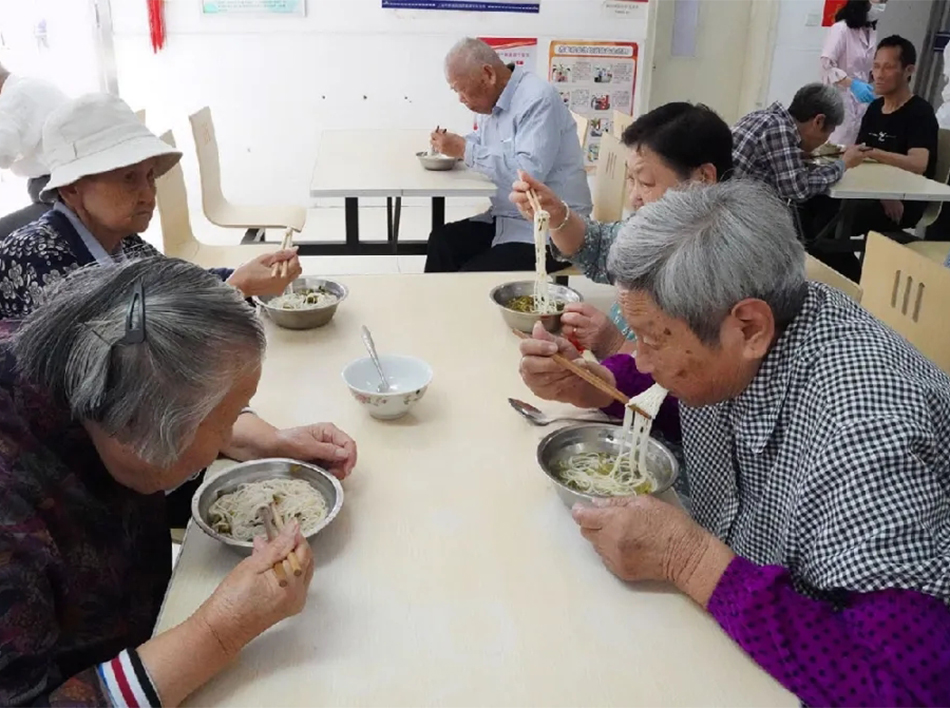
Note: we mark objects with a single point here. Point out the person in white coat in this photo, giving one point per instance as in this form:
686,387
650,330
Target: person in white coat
846,61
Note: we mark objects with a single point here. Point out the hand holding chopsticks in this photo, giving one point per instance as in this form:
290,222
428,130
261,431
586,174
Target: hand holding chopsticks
287,242
589,377
284,568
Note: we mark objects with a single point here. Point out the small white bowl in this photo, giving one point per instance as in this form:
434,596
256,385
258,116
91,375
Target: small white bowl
408,376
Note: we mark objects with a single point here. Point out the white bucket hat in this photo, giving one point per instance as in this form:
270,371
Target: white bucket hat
98,133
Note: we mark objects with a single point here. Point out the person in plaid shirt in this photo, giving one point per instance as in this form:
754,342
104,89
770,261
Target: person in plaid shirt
817,444
772,145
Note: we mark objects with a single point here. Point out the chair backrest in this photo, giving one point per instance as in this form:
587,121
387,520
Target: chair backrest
141,116
942,175
178,240
909,293
209,167
610,180
583,125
621,121
822,273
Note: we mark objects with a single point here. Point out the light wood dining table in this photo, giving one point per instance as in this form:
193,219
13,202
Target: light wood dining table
454,575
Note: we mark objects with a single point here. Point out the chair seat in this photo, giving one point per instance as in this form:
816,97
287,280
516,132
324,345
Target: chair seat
257,217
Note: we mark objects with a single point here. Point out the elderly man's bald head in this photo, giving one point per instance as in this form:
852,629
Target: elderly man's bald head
477,74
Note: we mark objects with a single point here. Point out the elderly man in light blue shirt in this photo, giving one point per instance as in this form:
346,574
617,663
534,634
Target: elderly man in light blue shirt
522,124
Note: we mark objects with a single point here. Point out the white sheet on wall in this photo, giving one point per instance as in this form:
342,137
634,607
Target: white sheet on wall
685,24
254,7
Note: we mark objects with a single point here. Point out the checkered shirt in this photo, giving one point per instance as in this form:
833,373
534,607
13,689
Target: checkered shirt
767,146
835,461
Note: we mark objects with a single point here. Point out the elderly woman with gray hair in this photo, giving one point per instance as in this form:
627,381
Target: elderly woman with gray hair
817,443
135,376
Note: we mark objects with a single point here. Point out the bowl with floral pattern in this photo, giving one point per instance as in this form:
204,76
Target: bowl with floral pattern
408,378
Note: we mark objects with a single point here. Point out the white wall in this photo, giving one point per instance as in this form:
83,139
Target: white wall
274,83
799,39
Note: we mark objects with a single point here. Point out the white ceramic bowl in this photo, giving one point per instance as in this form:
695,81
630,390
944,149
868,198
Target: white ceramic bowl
408,376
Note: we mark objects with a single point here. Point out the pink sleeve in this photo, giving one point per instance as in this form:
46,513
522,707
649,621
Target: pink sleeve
831,54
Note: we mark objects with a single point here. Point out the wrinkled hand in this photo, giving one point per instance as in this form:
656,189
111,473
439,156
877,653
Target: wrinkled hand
642,538
550,202
894,209
321,443
254,277
250,599
854,155
548,380
592,329
448,143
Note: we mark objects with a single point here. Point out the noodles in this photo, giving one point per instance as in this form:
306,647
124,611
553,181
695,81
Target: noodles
304,300
526,304
594,473
544,304
624,474
236,513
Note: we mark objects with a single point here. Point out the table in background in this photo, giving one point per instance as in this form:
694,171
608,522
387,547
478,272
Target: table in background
383,163
454,575
875,180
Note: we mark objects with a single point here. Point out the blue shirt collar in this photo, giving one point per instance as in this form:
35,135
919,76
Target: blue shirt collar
504,101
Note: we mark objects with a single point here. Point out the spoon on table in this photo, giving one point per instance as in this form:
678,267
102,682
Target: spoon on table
537,417
384,386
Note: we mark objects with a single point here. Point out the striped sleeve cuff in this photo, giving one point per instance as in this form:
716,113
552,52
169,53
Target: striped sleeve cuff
127,683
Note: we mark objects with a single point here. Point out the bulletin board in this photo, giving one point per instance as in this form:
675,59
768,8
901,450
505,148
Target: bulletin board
594,79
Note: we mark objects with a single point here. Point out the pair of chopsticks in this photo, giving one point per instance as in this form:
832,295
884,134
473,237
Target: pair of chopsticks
273,524
591,378
281,267
535,202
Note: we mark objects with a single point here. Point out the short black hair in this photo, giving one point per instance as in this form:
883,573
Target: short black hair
908,54
685,136
854,13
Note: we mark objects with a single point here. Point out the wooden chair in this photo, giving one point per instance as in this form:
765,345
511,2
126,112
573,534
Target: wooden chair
178,239
942,175
621,121
822,273
141,116
583,126
934,250
216,207
909,293
610,180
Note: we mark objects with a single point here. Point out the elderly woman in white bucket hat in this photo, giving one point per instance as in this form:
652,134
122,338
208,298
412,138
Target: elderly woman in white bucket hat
103,166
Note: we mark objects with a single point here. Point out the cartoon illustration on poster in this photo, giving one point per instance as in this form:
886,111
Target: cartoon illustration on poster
594,79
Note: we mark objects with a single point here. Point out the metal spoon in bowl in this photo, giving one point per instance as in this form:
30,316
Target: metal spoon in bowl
384,386
537,417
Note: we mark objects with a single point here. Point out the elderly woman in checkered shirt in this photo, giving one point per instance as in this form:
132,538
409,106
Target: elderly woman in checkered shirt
817,443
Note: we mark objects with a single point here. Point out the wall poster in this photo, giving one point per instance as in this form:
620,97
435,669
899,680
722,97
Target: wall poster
464,5
522,51
594,79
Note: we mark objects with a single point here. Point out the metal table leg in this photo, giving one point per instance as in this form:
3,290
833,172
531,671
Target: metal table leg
352,214
438,212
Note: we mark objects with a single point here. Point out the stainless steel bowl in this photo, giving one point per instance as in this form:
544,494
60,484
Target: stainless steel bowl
436,163
312,316
599,437
258,471
524,321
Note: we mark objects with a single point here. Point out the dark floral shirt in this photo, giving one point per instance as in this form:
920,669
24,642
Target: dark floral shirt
84,561
46,251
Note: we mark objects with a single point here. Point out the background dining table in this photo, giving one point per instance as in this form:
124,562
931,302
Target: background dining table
454,575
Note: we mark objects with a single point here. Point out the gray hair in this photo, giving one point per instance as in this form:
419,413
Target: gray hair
699,251
818,99
200,336
471,54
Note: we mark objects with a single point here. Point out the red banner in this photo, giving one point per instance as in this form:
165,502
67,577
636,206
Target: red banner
831,9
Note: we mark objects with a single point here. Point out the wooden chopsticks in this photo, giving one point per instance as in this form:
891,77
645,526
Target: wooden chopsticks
591,378
273,522
535,202
279,521
281,267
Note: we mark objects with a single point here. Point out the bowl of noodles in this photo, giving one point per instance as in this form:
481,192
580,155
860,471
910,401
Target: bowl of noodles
582,463
520,308
226,506
308,303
